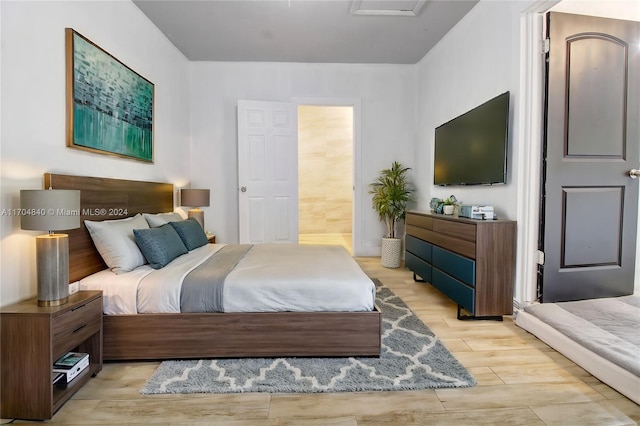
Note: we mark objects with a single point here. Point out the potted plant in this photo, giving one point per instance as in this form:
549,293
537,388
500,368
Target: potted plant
390,193
446,206
449,205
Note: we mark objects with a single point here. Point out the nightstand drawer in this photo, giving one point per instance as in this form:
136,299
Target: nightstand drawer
78,323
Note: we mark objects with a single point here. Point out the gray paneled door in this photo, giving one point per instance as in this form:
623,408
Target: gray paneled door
590,202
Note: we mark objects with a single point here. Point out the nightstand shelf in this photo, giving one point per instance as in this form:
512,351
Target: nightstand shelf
32,338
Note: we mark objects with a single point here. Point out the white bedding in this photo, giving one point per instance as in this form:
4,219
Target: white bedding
270,278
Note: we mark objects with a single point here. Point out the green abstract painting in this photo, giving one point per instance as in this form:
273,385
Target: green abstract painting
109,106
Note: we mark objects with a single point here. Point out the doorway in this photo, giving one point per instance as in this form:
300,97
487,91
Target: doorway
590,144
530,131
325,174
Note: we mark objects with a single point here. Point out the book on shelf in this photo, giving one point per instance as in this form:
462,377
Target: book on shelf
56,377
70,359
70,365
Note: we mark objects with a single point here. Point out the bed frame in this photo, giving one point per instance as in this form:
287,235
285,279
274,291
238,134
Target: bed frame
201,335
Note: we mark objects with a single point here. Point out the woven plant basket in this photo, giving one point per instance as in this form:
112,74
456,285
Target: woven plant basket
391,252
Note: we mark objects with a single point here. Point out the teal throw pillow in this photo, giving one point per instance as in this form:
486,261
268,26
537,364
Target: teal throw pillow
159,245
191,233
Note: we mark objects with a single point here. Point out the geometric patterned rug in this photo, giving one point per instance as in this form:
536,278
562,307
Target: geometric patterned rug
411,358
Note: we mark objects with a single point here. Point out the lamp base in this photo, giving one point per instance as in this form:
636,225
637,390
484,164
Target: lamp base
197,214
53,302
52,256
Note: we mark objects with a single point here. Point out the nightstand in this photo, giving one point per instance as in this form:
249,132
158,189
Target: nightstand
33,337
211,238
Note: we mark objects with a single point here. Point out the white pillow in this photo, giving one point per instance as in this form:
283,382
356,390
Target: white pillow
115,243
159,219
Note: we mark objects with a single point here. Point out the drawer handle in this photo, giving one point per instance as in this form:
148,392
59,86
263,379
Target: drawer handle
78,307
79,328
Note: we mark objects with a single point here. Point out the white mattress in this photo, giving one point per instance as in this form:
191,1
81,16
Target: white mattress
606,371
270,278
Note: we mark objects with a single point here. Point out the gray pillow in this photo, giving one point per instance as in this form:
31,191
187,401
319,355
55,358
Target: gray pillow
191,233
159,245
114,241
160,219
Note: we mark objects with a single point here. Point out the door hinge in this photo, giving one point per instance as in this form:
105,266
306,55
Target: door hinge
540,257
546,45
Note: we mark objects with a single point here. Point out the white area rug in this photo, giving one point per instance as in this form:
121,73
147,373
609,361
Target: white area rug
412,358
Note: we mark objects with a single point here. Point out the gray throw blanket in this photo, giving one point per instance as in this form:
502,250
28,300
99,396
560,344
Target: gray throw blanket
202,288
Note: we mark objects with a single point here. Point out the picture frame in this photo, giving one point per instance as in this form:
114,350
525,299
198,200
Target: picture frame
109,106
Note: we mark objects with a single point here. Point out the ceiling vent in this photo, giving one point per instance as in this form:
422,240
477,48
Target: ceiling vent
387,7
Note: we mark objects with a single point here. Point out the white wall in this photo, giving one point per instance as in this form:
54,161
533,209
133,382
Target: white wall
388,99
476,61
33,110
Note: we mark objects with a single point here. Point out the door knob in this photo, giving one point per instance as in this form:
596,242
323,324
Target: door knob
634,173
244,188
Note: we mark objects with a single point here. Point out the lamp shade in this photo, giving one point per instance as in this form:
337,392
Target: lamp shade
194,197
49,209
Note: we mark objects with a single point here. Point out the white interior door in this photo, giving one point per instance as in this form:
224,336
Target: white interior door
267,172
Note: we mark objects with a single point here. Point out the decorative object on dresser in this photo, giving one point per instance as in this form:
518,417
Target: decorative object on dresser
447,206
32,339
51,210
471,261
195,198
391,192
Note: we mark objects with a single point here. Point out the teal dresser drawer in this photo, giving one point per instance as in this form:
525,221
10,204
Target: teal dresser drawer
455,265
460,293
418,266
416,246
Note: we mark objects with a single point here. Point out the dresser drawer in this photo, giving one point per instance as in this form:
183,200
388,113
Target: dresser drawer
77,324
418,266
463,231
458,292
418,247
455,265
419,221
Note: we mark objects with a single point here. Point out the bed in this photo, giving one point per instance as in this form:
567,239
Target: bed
600,335
181,335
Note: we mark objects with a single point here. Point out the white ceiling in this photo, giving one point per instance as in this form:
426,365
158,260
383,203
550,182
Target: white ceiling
332,31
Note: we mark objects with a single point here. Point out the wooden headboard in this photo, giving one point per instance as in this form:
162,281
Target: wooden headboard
106,199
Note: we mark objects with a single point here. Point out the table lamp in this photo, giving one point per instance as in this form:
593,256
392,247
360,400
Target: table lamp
195,198
51,210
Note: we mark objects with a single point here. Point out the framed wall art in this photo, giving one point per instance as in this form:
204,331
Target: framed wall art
109,106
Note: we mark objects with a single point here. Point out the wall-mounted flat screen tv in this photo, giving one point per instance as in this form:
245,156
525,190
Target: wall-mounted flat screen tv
472,149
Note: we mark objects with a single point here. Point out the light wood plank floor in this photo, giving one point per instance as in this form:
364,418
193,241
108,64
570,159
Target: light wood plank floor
521,381
338,239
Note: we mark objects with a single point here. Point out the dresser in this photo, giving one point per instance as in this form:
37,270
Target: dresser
471,261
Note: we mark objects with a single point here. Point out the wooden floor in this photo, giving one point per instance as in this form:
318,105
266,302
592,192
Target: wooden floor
339,239
521,381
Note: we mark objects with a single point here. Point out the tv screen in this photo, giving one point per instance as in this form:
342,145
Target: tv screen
472,149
